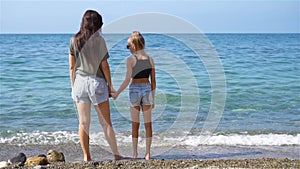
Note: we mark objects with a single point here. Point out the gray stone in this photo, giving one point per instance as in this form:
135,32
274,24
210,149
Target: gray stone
19,159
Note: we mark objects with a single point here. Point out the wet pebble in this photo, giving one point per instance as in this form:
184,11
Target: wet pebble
19,159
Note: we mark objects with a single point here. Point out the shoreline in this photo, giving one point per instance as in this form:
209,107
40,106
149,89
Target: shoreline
166,157
73,152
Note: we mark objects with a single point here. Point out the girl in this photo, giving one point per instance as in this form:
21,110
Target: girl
140,68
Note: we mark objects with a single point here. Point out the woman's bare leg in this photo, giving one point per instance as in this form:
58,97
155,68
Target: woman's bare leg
135,120
105,121
84,110
148,126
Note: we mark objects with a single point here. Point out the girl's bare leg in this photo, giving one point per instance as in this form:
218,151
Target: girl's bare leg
84,110
135,117
147,111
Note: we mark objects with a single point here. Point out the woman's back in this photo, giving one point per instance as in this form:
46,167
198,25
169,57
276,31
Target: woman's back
89,58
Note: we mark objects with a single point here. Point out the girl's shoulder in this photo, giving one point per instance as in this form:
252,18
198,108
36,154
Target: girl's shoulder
151,61
131,59
151,58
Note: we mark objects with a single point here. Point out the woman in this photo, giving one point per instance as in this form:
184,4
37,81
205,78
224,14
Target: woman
91,80
140,67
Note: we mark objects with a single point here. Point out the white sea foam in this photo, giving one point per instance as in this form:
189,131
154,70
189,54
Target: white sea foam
248,140
41,138
59,137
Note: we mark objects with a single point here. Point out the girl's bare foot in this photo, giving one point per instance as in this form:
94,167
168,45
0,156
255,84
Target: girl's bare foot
135,155
87,158
147,156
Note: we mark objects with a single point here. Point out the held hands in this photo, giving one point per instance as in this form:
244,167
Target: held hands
111,90
153,106
114,95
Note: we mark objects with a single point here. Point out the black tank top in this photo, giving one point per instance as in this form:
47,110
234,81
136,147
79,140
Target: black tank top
142,68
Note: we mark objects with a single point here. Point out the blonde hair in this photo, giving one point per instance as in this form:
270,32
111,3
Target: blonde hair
137,40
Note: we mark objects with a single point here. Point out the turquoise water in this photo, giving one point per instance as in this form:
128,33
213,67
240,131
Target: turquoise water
262,74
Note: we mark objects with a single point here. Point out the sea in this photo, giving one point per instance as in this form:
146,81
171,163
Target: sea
218,95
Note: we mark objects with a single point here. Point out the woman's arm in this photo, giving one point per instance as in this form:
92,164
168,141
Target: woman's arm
72,62
106,72
127,79
153,81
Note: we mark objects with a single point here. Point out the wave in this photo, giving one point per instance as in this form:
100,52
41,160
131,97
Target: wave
245,140
169,140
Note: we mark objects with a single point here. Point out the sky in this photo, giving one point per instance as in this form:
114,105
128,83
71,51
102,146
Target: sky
209,16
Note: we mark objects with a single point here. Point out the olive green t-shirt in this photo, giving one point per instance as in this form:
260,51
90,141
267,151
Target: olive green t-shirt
88,60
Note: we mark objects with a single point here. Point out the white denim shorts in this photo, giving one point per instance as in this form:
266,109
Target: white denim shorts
89,89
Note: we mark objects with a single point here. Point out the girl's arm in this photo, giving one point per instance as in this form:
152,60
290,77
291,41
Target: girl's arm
72,62
127,80
153,81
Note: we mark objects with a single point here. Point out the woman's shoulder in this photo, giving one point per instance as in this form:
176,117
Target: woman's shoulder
72,42
72,39
100,36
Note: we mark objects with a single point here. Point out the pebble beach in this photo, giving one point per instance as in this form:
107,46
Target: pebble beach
242,163
191,164
226,157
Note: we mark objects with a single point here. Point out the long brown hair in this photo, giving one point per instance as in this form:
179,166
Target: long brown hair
91,23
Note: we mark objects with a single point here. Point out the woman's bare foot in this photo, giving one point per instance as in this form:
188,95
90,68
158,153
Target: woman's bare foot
147,156
118,157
